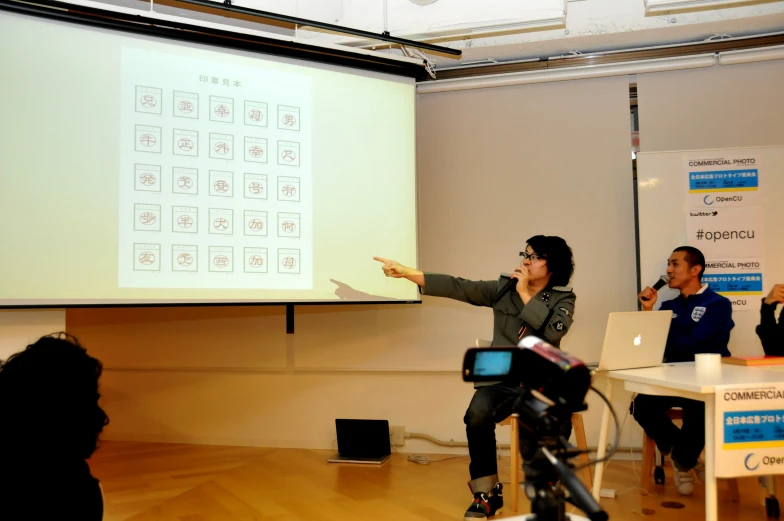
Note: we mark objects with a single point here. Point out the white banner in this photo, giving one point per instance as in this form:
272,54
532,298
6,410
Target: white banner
725,221
727,233
749,430
726,180
740,280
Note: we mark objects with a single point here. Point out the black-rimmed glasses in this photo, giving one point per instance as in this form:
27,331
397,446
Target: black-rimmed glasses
531,256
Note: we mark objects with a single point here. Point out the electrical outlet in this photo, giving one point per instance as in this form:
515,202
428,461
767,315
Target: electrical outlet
397,435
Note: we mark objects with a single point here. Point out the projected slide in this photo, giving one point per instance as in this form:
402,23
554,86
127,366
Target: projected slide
215,180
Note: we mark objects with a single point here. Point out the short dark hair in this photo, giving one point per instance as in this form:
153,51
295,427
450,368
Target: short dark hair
558,254
50,399
694,257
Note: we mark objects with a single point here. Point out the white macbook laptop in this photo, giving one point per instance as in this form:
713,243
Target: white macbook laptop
634,340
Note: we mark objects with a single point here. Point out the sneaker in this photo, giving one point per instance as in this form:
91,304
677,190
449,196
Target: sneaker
486,504
684,482
699,469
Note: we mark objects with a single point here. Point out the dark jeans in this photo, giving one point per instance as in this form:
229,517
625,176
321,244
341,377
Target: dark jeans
685,443
490,405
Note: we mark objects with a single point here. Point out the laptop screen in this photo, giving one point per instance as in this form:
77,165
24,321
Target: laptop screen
635,339
362,438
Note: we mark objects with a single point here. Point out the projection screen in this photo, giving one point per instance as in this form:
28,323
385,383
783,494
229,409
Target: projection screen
143,170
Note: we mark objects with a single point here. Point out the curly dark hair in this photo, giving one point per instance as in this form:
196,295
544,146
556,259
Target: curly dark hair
50,399
558,254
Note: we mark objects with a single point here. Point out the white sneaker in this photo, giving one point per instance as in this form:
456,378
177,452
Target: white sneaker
699,469
684,482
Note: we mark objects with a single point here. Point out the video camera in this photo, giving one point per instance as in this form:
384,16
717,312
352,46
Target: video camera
552,387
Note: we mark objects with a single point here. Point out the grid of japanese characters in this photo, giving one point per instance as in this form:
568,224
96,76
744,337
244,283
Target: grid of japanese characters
214,179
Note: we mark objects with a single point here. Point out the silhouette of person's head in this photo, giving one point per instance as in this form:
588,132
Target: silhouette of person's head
49,395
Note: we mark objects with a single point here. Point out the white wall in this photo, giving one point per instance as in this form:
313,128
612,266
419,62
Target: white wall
229,376
726,106
18,328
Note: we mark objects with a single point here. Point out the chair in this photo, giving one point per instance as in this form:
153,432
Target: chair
649,461
514,449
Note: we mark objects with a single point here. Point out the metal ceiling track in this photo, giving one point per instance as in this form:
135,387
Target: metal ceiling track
602,58
176,30
384,37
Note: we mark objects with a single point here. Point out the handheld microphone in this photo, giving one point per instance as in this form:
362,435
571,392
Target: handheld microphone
506,287
663,280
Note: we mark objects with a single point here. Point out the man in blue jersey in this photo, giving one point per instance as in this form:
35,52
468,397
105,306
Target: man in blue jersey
701,323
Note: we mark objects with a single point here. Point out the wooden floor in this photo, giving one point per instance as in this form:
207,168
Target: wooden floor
170,482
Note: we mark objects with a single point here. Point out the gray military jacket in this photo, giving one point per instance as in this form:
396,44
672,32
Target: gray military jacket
548,314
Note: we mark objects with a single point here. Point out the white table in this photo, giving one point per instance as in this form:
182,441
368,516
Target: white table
681,380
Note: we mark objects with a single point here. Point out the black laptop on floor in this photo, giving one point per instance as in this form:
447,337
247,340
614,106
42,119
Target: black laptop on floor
362,441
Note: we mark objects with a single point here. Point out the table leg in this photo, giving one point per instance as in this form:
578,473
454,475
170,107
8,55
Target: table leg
711,495
602,448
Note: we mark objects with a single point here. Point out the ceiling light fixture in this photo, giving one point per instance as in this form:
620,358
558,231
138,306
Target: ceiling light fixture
653,6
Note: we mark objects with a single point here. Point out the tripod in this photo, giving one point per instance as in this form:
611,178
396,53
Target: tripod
547,476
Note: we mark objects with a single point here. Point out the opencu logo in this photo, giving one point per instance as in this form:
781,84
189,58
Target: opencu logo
753,463
710,199
748,465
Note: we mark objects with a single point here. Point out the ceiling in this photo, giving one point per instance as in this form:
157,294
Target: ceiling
490,31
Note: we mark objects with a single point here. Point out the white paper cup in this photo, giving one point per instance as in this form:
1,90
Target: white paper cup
708,364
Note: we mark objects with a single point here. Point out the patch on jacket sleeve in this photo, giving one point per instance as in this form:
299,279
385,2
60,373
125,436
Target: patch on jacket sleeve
566,312
559,326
